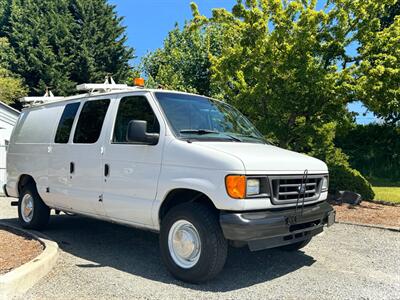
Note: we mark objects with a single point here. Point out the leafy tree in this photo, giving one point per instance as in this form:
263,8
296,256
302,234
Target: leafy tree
11,86
6,53
183,63
391,11
278,66
374,28
377,74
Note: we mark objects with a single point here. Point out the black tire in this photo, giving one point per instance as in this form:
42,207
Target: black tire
214,246
295,246
41,212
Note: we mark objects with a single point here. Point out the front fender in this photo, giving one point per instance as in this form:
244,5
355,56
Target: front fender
207,181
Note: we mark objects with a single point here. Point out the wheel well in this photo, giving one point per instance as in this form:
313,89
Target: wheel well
23,181
180,196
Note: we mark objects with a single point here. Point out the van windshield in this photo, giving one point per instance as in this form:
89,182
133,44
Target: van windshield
202,118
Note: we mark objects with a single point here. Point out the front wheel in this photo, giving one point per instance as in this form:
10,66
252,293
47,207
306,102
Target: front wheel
33,213
192,243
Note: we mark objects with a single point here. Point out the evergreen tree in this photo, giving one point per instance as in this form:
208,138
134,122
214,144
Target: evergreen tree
40,34
100,37
65,42
4,15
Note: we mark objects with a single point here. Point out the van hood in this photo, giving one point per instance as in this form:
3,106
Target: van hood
266,158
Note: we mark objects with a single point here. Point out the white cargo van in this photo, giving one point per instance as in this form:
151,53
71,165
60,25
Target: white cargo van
192,168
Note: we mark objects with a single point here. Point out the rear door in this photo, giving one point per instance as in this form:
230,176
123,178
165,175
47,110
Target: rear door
30,150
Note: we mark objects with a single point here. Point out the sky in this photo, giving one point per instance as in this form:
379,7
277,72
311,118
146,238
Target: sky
149,21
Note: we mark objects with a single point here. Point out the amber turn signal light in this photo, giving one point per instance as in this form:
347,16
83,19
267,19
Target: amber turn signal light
236,186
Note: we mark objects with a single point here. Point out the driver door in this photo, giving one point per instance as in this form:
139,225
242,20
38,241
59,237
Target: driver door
131,169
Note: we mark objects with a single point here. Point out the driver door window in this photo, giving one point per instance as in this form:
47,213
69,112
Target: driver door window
133,108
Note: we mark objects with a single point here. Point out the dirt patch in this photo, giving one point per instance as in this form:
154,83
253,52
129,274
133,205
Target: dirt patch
369,213
16,249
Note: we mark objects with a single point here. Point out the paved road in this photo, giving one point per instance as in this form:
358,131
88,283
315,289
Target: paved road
99,260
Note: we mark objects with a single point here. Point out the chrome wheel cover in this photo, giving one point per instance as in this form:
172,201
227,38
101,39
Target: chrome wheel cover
27,208
184,244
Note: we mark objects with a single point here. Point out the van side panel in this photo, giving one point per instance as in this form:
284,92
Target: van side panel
12,174
30,146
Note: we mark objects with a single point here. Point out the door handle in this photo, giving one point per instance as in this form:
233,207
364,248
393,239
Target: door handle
71,167
106,170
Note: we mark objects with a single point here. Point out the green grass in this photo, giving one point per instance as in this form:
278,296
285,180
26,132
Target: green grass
386,189
389,194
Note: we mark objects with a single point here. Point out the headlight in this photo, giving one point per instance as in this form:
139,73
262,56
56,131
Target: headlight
325,184
253,187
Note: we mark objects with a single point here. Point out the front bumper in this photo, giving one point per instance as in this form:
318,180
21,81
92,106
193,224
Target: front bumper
274,228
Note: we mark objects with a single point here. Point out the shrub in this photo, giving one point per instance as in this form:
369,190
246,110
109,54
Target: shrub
344,178
373,149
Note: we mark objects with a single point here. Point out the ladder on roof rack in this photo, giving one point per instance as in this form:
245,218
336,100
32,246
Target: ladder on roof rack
46,98
108,86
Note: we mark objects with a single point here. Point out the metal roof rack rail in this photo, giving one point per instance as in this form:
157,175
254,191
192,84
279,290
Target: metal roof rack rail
35,100
108,86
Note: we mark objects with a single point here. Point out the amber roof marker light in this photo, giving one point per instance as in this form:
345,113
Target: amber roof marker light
138,81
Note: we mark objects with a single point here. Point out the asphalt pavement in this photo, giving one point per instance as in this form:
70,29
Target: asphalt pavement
100,260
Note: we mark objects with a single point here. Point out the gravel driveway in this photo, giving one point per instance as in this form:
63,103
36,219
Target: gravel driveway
108,261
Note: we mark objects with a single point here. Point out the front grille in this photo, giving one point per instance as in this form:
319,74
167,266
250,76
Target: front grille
287,189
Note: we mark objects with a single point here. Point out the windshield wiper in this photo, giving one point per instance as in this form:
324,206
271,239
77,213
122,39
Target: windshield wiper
235,138
198,131
254,137
208,131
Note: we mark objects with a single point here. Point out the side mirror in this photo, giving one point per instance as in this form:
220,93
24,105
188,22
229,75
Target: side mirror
137,133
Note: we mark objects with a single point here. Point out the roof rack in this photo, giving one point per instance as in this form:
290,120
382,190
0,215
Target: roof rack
108,86
46,98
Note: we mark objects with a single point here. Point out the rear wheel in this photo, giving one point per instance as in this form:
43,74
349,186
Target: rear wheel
33,213
192,243
295,246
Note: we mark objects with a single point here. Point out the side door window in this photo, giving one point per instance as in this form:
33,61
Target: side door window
66,122
133,108
60,157
91,121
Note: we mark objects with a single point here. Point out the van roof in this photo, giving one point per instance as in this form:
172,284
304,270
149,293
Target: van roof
99,94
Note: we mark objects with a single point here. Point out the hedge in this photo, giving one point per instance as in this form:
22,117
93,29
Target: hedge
344,178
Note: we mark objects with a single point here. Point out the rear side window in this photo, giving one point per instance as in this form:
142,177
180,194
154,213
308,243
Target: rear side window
134,108
66,121
37,125
91,121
